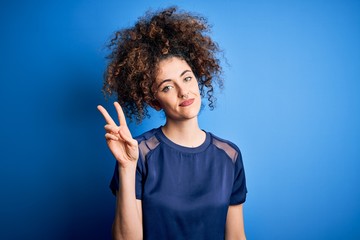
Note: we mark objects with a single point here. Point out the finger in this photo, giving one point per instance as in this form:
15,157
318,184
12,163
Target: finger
121,116
106,115
110,136
126,137
111,128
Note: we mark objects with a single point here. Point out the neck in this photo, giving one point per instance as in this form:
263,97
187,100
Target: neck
184,133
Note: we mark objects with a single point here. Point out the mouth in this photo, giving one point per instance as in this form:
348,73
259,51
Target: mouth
187,102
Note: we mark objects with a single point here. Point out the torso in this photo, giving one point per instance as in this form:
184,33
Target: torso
185,192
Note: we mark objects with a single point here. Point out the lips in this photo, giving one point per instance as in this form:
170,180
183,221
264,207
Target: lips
187,102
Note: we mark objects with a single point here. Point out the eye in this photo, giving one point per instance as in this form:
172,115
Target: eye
166,88
187,79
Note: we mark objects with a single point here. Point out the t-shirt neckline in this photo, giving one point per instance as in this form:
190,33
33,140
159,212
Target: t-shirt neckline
178,147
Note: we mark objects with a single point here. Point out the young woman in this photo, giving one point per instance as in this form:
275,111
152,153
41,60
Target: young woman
176,181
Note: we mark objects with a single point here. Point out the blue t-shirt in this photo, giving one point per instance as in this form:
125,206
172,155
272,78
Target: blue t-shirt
186,192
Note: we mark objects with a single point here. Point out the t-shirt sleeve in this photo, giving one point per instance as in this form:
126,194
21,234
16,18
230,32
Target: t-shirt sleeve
114,183
239,190
139,185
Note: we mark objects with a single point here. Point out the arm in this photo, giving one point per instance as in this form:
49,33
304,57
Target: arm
128,215
235,223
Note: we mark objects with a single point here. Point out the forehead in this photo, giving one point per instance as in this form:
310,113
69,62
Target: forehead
171,68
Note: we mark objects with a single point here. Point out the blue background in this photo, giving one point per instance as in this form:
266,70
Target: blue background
291,103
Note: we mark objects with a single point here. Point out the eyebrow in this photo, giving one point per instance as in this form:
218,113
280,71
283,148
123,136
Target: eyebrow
168,80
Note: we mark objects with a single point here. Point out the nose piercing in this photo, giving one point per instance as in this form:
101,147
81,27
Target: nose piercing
185,96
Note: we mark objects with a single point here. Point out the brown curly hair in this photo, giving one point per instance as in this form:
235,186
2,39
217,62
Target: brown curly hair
136,52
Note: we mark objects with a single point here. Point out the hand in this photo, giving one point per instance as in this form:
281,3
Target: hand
119,139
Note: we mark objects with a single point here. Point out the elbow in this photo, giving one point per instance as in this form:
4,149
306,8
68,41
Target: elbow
235,236
120,237
242,237
121,234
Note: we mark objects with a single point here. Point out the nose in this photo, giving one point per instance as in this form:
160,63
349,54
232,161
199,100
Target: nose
183,92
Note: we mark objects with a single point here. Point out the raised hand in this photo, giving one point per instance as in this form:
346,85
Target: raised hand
119,139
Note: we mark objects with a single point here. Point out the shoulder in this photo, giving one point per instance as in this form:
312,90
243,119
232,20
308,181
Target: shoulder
230,148
148,141
147,135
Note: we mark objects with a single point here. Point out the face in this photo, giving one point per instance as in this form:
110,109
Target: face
177,90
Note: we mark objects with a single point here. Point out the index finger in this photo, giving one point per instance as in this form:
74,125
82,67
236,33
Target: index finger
121,116
106,115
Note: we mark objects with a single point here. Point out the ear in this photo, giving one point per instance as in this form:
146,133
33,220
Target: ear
155,105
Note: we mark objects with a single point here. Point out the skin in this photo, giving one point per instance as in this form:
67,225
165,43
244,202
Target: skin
128,214
178,95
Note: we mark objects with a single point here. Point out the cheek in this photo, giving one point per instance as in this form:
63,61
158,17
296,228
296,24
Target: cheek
165,101
195,90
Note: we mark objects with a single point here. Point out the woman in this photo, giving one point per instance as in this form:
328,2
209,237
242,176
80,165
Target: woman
176,181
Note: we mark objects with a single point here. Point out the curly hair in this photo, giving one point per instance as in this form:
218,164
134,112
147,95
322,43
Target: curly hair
135,53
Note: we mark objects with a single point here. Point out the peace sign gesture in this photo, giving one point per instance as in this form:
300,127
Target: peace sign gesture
119,139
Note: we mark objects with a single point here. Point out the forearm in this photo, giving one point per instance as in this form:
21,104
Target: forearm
235,223
128,219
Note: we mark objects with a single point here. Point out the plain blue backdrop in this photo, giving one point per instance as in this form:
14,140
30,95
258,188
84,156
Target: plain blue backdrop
291,102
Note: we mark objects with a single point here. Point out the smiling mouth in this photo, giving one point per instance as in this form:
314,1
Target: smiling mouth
187,102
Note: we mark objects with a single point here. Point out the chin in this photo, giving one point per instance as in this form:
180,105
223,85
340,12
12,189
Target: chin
192,114
181,116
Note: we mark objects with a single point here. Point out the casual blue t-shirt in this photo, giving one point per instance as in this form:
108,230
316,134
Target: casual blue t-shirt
186,192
